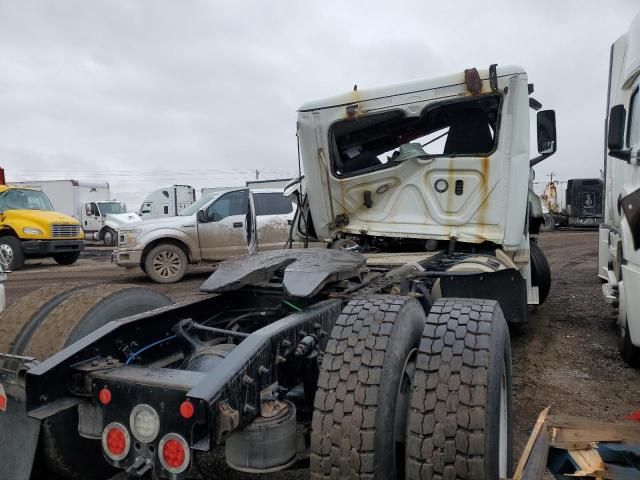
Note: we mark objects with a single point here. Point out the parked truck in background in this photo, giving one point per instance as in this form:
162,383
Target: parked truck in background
575,203
619,236
219,225
88,202
389,352
167,201
31,228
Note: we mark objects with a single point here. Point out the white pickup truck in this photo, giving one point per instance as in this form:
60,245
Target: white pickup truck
217,226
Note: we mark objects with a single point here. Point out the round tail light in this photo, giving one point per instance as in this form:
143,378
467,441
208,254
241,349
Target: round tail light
175,454
116,441
144,423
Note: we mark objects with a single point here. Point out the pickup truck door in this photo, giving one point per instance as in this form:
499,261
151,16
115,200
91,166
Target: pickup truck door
223,230
274,214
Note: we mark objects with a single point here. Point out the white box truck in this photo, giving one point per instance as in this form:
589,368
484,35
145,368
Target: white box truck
88,202
619,235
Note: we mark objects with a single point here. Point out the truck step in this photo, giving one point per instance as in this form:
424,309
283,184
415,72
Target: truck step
610,293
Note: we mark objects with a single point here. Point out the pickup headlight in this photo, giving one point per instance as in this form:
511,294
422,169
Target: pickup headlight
127,238
32,231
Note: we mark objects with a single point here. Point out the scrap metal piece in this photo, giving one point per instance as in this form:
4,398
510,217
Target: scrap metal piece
473,81
493,77
306,271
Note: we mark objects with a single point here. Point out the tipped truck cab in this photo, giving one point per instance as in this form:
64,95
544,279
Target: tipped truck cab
30,228
219,225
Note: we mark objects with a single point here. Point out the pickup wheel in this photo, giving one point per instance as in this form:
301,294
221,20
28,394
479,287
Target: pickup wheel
540,271
12,251
166,263
66,258
47,320
362,402
460,422
109,237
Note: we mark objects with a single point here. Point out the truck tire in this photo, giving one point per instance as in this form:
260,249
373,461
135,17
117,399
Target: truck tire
12,251
460,422
540,271
362,401
66,258
548,224
628,351
166,263
109,237
49,319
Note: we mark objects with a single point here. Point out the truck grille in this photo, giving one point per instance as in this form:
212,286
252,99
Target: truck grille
65,231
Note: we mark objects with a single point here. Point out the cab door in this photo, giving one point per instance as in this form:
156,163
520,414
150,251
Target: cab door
92,221
274,214
223,229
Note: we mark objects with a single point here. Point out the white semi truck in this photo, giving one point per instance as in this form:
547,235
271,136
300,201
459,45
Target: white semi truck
88,202
394,340
619,238
167,201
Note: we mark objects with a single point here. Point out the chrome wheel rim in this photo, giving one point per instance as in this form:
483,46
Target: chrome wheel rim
503,445
108,238
7,252
166,264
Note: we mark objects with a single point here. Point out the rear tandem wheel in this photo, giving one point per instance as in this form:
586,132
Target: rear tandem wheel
391,406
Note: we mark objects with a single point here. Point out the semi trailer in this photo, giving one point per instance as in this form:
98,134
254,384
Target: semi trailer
386,354
619,235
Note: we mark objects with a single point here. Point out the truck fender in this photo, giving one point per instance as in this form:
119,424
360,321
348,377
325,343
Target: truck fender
169,234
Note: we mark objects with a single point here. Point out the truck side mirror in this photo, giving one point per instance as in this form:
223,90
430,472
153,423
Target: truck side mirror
201,216
546,129
546,120
615,135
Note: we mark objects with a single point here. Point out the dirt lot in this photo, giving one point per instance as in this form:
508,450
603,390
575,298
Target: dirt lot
565,357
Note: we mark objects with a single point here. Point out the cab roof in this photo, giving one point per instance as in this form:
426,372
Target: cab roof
631,43
414,86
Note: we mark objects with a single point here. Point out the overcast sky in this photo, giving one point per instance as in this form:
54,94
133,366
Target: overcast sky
147,93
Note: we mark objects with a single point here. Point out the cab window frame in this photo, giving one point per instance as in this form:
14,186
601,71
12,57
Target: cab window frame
335,153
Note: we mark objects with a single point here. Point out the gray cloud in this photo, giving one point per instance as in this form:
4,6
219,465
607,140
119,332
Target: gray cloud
204,93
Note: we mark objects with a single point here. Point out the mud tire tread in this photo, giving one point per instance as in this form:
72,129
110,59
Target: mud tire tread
446,433
344,418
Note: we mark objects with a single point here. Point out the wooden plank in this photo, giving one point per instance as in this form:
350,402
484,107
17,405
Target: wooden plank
589,463
537,462
537,429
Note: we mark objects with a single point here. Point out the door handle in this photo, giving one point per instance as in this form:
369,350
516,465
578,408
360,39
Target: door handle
238,224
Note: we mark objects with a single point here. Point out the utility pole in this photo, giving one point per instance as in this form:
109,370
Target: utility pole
257,173
551,176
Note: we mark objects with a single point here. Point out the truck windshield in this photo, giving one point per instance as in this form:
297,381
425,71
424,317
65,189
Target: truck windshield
198,204
24,199
111,207
458,127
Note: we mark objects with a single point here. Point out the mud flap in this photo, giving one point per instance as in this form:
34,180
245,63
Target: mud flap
18,432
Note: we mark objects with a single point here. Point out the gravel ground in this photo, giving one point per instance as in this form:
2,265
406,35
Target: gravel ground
566,357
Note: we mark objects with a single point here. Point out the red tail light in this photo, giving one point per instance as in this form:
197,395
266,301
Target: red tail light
175,454
116,441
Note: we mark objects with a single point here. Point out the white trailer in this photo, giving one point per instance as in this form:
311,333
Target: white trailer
167,201
88,202
619,238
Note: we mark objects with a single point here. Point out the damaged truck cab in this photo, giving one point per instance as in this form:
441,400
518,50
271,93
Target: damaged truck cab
429,165
386,355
